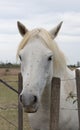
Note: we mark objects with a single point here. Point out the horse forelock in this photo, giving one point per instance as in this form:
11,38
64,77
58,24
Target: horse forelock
43,34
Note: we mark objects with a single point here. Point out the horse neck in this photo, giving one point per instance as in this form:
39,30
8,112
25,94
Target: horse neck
68,81
67,74
45,100
67,78
62,71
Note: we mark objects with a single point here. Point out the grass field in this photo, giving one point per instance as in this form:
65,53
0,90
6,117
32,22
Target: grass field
9,101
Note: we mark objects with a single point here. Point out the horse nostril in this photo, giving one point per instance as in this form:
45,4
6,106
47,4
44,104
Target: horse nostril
20,98
35,99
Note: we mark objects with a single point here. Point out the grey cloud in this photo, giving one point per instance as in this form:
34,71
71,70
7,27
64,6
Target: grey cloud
40,13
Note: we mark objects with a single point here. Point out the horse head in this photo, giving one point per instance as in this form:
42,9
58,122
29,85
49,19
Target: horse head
36,57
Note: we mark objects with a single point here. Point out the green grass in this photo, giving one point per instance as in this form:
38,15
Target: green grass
8,119
7,95
8,105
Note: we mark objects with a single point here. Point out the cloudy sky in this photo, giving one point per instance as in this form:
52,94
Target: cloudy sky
40,13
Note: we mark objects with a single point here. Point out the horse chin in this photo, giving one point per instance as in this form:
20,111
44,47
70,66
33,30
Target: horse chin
31,110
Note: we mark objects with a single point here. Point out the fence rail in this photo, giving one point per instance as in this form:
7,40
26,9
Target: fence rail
55,101
20,109
78,92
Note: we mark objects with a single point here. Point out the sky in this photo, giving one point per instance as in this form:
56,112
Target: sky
40,13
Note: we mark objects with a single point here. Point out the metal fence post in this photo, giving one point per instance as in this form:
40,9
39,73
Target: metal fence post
20,109
55,103
78,92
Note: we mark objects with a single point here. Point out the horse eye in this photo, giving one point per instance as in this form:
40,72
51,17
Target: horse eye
20,58
49,58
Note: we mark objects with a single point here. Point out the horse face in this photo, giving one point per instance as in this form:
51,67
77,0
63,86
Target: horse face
36,69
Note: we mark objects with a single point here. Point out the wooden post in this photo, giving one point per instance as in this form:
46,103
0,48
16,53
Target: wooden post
78,92
55,103
20,109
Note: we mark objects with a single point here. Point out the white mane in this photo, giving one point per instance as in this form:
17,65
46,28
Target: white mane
59,61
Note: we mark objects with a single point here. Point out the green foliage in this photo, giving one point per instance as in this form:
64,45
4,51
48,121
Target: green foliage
9,65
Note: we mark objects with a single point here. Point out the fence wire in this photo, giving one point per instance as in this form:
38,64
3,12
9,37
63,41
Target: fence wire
8,121
7,118
10,81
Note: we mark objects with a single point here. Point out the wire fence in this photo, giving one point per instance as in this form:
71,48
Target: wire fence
8,101
8,121
55,102
11,112
6,109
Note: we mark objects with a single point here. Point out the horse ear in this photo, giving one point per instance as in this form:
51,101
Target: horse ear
22,29
55,31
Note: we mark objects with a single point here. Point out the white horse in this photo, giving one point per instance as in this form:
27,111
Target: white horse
41,59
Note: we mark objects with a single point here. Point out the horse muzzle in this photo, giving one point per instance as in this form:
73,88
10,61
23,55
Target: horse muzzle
29,102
